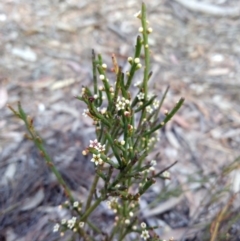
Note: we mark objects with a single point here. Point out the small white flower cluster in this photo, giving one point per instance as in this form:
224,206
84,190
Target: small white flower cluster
97,159
135,61
83,90
97,145
156,103
139,15
112,204
85,112
166,174
76,205
149,109
56,227
141,96
138,83
149,30
149,96
152,141
102,111
121,103
153,164
145,235
71,222
81,224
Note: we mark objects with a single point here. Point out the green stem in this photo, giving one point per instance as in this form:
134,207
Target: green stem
92,190
146,50
91,209
38,143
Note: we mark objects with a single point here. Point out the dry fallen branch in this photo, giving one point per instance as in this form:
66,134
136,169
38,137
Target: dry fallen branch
210,8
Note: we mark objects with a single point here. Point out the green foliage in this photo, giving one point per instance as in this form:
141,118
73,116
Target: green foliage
126,129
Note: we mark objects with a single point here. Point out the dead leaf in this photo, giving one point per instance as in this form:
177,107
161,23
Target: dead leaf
180,232
172,139
9,173
218,71
26,54
181,121
163,207
34,201
10,235
66,27
62,83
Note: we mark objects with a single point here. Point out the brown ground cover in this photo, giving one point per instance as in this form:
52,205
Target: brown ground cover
45,59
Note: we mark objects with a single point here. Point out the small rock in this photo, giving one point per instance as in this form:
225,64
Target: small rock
26,54
3,17
217,58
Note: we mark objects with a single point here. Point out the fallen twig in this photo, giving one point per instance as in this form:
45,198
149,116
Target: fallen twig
210,8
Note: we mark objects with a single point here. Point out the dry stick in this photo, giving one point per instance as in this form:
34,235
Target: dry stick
215,225
210,8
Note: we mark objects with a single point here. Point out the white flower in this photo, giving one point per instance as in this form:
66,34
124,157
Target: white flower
101,77
131,214
136,60
151,168
138,14
103,111
104,66
153,162
83,90
140,30
94,144
156,103
85,112
120,105
130,59
122,142
138,83
127,221
166,174
75,204
149,109
140,96
139,66
64,221
150,30
56,227
71,222
145,234
150,95
81,224
143,225
100,147
97,159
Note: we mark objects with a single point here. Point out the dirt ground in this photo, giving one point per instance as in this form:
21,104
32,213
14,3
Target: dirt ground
45,59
